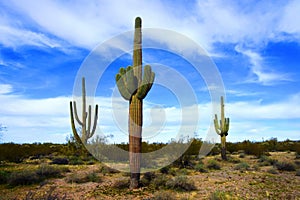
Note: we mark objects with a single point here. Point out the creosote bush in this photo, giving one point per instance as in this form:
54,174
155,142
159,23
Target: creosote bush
181,183
200,168
242,166
25,177
285,166
147,178
272,171
164,195
28,177
266,161
213,164
122,183
220,195
84,178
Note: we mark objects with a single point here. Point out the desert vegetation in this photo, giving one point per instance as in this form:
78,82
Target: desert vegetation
62,171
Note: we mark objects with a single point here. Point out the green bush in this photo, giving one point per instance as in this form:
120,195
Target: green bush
164,195
220,195
266,161
200,168
285,166
165,170
48,195
47,171
75,160
25,177
242,166
107,170
159,181
122,183
242,155
272,171
4,176
84,178
213,164
181,183
147,178
233,159
60,161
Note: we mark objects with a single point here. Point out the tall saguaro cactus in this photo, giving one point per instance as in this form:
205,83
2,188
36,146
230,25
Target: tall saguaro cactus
222,129
134,85
86,118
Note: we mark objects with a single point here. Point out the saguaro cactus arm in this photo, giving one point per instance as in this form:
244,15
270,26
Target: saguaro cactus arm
76,135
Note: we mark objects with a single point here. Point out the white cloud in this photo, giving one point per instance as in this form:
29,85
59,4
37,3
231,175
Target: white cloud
289,22
48,119
86,24
5,89
258,68
256,110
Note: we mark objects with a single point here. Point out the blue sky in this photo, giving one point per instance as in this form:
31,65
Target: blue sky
254,44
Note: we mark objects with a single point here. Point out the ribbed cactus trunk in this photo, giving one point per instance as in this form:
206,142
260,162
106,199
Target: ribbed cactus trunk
134,86
135,119
222,129
223,147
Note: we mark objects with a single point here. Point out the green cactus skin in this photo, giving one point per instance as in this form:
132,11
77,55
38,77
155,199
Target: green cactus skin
134,87
222,129
85,122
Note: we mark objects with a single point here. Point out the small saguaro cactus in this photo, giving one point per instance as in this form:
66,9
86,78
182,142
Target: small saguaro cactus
222,129
133,85
86,118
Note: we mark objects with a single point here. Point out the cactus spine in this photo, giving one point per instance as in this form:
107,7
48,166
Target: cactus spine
222,129
85,122
133,86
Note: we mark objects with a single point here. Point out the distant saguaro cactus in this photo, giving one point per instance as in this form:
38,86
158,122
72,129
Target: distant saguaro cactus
86,118
133,85
222,129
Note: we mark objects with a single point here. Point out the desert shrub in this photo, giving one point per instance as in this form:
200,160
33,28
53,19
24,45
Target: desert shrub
147,178
184,161
297,162
48,195
213,164
285,166
256,167
164,195
159,181
108,170
60,161
84,178
266,161
165,170
75,160
182,172
233,159
298,172
272,171
220,195
181,183
242,166
4,176
47,171
25,177
94,177
200,168
242,155
122,183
